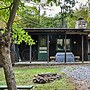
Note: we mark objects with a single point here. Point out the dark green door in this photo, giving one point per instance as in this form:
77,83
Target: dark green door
42,48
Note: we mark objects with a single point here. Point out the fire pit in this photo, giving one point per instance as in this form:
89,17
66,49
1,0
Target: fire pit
46,78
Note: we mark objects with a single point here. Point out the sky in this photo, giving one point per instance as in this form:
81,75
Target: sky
83,1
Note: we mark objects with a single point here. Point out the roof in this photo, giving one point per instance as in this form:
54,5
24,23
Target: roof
81,29
57,30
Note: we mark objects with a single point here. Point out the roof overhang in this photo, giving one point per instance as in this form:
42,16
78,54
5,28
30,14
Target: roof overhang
58,30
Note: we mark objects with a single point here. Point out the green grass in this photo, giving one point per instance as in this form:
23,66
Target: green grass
24,76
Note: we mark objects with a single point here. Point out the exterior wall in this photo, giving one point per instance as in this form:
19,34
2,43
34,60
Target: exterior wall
77,46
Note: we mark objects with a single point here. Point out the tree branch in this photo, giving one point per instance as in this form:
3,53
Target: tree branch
12,13
4,8
8,7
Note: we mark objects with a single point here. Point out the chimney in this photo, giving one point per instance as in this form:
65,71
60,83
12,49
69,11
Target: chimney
81,23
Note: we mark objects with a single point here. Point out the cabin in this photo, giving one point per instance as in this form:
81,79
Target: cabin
49,42
52,41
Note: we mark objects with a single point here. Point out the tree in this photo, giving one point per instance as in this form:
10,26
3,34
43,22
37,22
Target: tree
35,20
8,10
30,19
5,41
65,6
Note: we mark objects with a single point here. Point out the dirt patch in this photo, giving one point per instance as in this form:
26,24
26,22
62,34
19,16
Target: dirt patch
80,84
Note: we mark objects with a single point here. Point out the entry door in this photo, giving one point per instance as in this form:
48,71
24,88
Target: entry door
42,48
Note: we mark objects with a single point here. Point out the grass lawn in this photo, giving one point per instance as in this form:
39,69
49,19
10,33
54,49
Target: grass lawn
24,76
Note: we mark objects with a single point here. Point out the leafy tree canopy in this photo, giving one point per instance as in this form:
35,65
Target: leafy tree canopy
31,16
18,34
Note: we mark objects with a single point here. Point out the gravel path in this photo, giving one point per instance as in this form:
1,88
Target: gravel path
80,76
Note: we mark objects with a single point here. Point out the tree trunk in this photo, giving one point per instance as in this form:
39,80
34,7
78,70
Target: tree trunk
7,64
5,42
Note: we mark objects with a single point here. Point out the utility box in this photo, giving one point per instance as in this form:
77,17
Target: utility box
60,57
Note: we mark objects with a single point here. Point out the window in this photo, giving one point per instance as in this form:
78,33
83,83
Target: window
43,41
67,44
61,46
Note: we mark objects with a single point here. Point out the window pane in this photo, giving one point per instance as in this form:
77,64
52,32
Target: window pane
68,44
43,41
60,44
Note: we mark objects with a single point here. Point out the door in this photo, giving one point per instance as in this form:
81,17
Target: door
42,48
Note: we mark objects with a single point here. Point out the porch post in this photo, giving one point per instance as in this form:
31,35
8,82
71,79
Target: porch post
48,48
65,47
82,49
30,53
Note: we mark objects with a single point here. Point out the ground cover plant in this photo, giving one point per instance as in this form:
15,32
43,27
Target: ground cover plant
24,76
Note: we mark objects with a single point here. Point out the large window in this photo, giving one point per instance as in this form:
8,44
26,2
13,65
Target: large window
61,44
